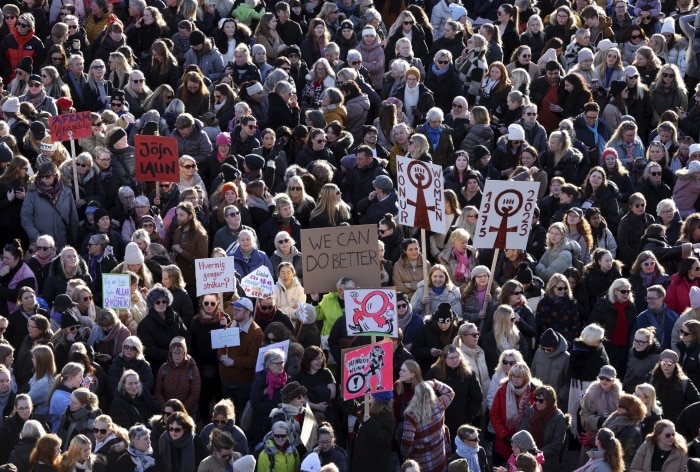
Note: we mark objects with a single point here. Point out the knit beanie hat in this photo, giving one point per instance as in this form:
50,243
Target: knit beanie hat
444,312
668,354
384,397
132,254
99,213
223,139
414,72
480,269
244,464
291,391
116,135
524,441
549,338
524,273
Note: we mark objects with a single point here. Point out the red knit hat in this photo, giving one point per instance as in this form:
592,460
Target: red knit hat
64,103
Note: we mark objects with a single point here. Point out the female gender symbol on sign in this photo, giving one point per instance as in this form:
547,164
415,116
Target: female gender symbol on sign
506,204
420,177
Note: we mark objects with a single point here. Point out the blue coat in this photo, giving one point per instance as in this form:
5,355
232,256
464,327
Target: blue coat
663,322
257,259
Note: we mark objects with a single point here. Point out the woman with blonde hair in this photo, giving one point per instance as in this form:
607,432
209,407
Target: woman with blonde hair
472,66
643,355
53,85
162,96
440,290
79,417
136,92
51,151
330,209
119,70
79,456
419,148
459,257
512,399
410,376
504,335
111,440
607,454
647,394
668,91
423,438
303,203
559,254
663,445
97,91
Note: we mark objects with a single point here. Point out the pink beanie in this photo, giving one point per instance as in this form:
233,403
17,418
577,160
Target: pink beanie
223,139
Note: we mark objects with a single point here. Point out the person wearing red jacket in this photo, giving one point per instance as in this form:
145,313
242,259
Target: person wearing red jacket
20,44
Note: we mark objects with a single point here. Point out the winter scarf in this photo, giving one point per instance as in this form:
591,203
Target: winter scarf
462,272
538,421
620,335
470,453
143,460
616,422
75,419
437,71
46,258
37,99
274,381
256,202
515,408
51,191
167,446
4,397
406,320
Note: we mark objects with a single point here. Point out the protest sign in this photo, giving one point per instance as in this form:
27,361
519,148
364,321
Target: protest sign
258,284
70,126
421,194
367,369
116,291
157,159
260,363
228,337
341,251
371,311
505,216
214,275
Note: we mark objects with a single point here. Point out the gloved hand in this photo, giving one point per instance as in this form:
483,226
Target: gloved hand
226,360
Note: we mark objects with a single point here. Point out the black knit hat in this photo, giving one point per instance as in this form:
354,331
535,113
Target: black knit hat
524,273
444,312
230,172
549,338
480,151
26,64
116,135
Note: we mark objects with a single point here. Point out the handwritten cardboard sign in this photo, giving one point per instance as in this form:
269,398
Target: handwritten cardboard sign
157,159
367,369
258,284
260,363
342,251
229,337
70,126
116,291
421,194
371,311
215,274
505,216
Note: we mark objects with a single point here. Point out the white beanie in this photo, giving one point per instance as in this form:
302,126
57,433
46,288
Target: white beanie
585,54
693,167
11,105
693,149
244,464
369,31
669,26
132,254
255,88
516,133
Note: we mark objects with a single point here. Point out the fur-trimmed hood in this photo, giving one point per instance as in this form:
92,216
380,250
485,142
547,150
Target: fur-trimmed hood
156,293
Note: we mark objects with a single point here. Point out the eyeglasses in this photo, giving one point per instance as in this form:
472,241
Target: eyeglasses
474,335
668,74
34,84
266,307
82,164
636,36
148,225
220,422
98,66
283,241
43,248
443,62
530,113
100,431
280,436
138,81
22,25
649,264
655,174
251,126
623,291
639,342
295,189
511,363
10,17
560,288
640,205
606,379
685,333
517,293
457,105
210,303
175,430
72,27
160,302
540,400
408,23
87,299
233,213
526,55
401,305
129,347
189,166
116,104
320,141
178,352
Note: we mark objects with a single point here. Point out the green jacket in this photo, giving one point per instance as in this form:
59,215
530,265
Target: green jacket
328,311
282,461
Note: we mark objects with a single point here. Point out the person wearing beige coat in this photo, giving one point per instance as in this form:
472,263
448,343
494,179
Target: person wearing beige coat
668,442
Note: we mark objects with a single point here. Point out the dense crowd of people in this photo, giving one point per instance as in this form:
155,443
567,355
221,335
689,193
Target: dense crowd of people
290,116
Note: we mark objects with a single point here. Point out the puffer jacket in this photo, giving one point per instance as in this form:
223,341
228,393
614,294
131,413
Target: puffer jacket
14,48
477,134
40,216
209,60
639,364
286,299
373,60
552,368
678,293
686,192
557,259
450,295
357,109
179,381
642,459
196,144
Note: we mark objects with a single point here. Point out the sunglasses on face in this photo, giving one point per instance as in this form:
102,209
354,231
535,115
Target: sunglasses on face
138,81
220,422
160,302
100,431
175,430
22,25
605,379
636,36
655,174
189,166
233,213
540,400
511,363
129,347
624,291
266,307
668,74
443,62
280,436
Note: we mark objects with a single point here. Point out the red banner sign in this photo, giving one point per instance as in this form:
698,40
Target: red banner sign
156,159
71,126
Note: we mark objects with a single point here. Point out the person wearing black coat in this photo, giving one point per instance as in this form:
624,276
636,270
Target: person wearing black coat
690,352
452,369
605,313
111,450
282,111
455,44
20,454
433,337
418,42
9,433
374,435
159,327
135,362
444,84
132,403
373,208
